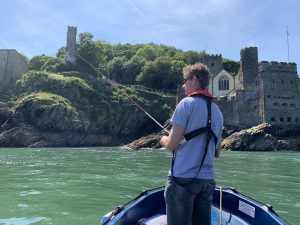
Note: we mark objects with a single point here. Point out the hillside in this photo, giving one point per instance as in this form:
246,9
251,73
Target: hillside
75,109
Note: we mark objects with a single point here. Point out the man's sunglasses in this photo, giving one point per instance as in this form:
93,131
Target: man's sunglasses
186,79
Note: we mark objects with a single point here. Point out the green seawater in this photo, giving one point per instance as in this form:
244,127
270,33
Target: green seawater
77,186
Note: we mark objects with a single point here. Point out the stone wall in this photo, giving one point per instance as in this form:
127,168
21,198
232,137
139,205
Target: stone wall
12,67
280,94
240,109
229,110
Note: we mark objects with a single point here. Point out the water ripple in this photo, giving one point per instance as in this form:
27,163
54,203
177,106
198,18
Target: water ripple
23,221
31,192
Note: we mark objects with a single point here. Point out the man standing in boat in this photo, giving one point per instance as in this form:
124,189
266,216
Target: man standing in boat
194,140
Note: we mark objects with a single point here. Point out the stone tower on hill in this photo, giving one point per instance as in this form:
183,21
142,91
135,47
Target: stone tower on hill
71,45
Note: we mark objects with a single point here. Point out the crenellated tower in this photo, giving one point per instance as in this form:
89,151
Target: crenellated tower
248,69
214,63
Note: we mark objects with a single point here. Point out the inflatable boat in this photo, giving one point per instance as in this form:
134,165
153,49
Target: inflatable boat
149,209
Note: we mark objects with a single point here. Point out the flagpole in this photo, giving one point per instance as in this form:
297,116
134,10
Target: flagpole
287,40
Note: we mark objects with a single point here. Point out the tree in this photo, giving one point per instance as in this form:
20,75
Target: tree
149,52
163,74
37,62
231,66
192,57
61,52
116,69
133,67
96,54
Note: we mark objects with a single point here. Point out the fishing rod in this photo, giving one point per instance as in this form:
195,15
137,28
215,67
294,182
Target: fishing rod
113,83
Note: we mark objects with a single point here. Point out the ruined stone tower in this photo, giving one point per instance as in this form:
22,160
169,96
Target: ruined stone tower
71,53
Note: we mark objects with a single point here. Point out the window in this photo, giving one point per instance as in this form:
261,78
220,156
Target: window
223,83
272,119
281,119
289,119
212,64
297,120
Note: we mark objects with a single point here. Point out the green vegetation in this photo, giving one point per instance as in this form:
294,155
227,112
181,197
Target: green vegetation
48,99
143,64
153,66
85,92
231,66
39,80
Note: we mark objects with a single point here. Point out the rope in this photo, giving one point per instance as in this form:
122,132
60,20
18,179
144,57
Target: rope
220,205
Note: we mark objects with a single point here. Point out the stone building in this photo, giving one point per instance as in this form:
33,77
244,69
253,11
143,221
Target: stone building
265,92
12,67
221,82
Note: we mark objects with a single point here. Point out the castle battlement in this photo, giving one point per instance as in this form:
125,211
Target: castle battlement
249,51
275,66
213,55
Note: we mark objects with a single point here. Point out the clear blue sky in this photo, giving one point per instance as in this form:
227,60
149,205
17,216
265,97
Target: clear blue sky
36,27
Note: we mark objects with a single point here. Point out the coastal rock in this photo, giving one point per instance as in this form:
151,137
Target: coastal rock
264,137
53,122
150,141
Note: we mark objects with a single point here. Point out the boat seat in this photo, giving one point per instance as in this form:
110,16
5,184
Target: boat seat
159,219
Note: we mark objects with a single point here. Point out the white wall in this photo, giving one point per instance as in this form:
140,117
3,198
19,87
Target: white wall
214,84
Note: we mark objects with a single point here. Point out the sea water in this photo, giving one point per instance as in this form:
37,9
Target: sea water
63,186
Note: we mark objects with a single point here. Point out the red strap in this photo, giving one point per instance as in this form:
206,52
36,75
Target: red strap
202,92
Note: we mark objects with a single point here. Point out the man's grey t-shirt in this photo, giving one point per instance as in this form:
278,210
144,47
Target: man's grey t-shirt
191,113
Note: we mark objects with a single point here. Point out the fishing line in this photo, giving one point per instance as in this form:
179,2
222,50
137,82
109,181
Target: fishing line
113,83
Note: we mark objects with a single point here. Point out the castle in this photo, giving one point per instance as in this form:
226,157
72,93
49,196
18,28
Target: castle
263,92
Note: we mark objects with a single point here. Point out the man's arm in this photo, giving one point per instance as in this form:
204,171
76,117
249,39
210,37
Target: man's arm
172,141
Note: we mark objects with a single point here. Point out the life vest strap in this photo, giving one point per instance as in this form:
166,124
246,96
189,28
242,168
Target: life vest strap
200,131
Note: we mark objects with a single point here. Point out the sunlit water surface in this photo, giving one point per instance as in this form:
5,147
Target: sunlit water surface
64,186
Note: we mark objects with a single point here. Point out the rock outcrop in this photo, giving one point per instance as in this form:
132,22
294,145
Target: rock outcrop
264,137
150,141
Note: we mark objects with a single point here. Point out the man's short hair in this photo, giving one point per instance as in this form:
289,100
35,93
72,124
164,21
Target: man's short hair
200,71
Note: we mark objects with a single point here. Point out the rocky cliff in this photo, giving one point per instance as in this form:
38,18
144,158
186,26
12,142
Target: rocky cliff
75,109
